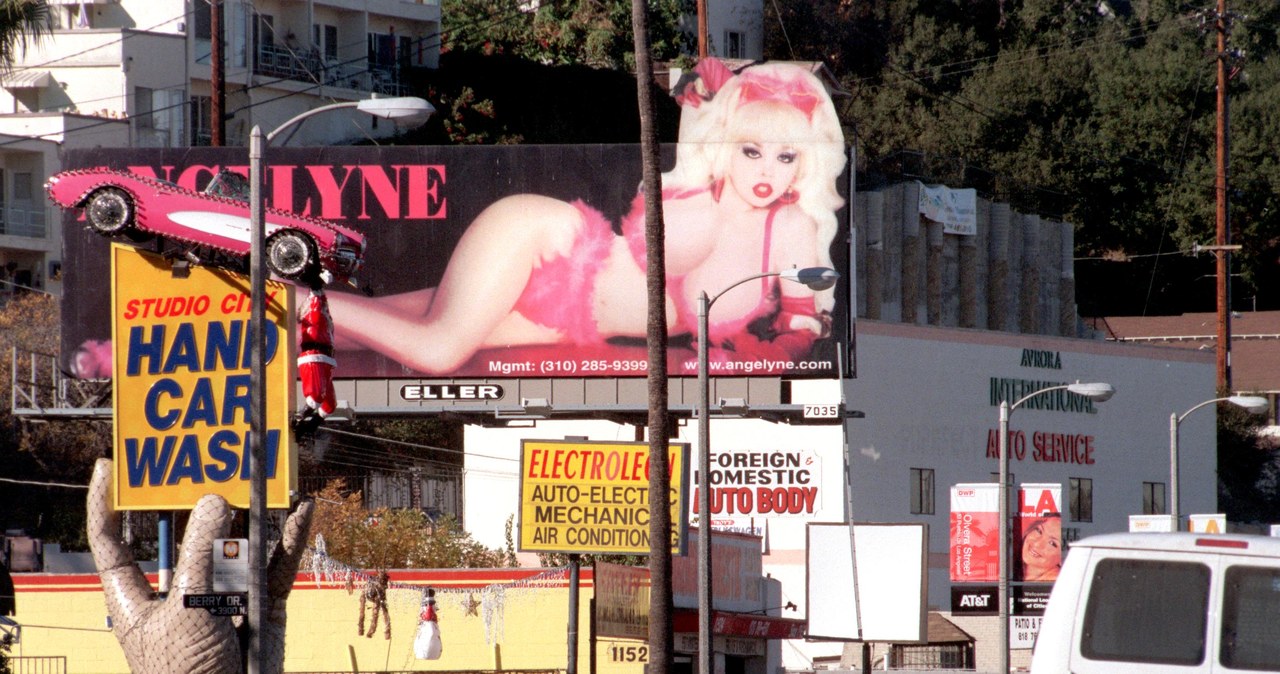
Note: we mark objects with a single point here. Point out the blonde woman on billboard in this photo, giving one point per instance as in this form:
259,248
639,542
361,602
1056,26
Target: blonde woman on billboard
753,190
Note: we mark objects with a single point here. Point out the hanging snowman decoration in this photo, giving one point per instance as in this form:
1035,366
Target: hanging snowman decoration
426,644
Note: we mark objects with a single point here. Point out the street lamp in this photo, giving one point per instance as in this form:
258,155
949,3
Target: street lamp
1095,391
816,278
1251,404
405,110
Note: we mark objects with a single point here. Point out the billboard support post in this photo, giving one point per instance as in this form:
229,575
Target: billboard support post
816,278
1097,392
571,665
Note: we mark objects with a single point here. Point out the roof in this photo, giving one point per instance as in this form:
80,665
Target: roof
1255,341
26,79
943,631
1240,545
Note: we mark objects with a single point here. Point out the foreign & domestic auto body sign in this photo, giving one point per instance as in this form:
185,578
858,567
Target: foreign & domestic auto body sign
762,483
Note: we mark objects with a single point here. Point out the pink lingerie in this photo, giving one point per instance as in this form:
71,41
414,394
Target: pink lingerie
559,293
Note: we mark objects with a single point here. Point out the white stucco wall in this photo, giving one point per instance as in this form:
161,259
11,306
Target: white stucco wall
926,393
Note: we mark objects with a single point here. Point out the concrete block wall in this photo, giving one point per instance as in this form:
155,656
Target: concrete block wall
1015,275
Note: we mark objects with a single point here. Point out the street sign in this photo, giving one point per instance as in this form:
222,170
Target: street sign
219,603
230,565
829,411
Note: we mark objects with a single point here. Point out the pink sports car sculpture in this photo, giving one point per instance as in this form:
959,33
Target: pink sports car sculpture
118,203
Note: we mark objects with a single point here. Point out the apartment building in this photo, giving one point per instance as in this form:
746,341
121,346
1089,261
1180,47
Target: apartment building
119,73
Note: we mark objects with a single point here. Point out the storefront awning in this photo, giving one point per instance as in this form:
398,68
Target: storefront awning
26,79
742,625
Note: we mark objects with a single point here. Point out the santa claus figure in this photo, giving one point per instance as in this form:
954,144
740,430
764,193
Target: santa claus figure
315,357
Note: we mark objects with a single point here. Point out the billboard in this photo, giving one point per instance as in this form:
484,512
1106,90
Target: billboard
974,544
881,598
1037,540
593,497
528,261
756,483
621,601
181,388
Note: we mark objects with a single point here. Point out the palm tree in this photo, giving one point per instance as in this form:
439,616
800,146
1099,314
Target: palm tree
661,639
22,22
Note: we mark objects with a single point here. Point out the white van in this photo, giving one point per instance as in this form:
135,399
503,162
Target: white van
1164,602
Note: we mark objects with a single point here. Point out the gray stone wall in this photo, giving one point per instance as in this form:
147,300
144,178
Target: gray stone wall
1015,275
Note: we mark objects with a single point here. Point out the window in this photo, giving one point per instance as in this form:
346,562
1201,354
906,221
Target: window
1081,499
202,20
325,37
143,108
1153,501
201,120
74,17
382,50
922,491
404,54
22,182
265,30
1250,634
1147,611
735,45
419,51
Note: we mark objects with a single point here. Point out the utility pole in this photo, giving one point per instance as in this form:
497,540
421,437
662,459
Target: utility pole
217,79
1223,239
702,29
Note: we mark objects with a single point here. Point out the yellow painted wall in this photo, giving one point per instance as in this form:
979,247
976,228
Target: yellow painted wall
486,623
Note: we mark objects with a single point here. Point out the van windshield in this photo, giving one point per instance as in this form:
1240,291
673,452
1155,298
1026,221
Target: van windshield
1147,611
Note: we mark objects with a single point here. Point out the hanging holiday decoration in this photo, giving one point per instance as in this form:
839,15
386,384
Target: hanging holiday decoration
489,602
375,592
426,644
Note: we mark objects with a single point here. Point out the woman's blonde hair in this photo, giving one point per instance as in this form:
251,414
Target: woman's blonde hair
781,103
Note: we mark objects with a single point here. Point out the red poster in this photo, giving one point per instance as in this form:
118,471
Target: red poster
1037,546
975,545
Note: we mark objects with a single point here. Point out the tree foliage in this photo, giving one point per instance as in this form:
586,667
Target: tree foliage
43,456
1248,468
1102,113
389,538
593,33
22,23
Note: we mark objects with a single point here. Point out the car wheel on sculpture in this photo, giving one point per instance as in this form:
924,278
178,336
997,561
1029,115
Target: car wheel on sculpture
109,211
291,254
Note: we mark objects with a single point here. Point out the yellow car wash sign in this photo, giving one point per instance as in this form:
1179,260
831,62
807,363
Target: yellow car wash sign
181,367
593,497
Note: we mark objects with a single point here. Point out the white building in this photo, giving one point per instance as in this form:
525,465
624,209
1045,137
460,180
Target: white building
118,73
735,30
931,420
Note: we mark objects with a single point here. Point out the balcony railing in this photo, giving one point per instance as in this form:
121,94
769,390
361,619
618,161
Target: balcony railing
18,221
305,65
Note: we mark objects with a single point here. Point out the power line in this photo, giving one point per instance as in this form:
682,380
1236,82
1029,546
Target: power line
44,484
414,445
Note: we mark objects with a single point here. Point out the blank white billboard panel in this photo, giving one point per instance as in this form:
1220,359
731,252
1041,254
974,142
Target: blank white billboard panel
891,585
